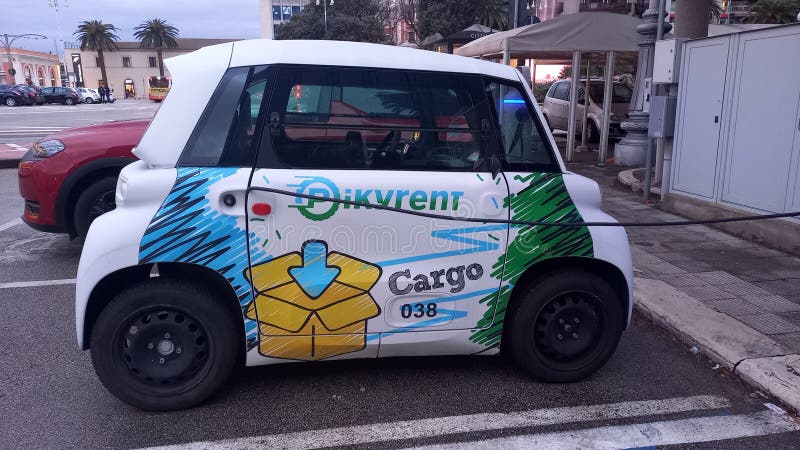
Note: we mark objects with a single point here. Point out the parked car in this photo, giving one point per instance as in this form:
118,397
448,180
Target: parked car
64,95
88,95
34,93
68,178
13,96
556,107
215,253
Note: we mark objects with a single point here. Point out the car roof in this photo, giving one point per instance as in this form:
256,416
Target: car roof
359,54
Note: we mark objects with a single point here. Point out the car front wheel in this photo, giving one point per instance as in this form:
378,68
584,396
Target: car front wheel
69,101
566,326
93,202
88,100
163,345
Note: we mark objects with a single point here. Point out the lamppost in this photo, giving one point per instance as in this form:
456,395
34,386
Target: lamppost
9,39
325,13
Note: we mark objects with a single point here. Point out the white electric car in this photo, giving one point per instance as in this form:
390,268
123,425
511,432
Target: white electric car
301,201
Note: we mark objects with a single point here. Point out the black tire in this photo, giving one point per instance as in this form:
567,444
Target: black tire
68,101
10,101
133,334
88,100
546,339
94,201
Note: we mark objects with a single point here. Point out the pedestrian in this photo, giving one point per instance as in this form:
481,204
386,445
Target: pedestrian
108,95
102,92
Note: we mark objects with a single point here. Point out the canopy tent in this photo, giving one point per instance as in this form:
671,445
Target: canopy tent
560,39
448,44
552,39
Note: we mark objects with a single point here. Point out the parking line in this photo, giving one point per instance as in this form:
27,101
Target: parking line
24,284
672,432
8,225
442,426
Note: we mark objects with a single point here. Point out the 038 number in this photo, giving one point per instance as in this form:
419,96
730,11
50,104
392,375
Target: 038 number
418,310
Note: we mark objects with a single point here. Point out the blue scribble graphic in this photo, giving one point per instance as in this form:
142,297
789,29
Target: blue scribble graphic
455,235
186,229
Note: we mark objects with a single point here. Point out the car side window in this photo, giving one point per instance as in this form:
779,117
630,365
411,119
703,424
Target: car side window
227,133
352,118
561,91
525,144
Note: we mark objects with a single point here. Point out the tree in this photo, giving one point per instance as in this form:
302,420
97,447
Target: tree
445,16
774,11
351,20
492,13
157,34
97,36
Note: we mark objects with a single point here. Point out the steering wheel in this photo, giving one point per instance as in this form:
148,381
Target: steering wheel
389,146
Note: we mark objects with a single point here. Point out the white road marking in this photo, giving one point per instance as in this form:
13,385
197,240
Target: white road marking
24,284
684,431
8,225
441,426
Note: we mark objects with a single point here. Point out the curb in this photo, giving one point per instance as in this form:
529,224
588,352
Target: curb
753,356
627,178
9,163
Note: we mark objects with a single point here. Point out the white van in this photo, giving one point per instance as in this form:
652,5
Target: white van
303,201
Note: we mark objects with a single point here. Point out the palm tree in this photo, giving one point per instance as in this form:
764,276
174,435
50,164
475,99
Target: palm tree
157,34
492,14
97,36
774,11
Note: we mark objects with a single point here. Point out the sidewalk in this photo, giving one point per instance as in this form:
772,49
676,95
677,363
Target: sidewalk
695,279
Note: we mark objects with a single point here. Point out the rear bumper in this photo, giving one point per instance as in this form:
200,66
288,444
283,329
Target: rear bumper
39,182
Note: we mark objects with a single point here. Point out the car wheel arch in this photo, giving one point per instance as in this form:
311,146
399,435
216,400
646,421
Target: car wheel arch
609,272
78,181
116,282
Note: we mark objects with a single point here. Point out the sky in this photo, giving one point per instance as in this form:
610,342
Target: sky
197,18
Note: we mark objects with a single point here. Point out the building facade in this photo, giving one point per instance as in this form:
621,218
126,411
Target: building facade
30,67
128,67
276,12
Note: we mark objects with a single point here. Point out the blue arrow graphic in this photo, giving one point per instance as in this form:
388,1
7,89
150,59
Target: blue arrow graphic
315,275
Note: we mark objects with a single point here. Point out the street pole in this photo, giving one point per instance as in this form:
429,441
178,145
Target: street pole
7,44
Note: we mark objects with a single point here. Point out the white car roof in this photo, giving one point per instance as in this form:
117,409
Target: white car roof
196,75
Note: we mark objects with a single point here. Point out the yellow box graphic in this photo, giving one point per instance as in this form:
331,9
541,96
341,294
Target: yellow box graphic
320,311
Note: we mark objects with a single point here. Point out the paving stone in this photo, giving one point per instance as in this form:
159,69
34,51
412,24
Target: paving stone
789,340
718,278
665,268
773,303
792,316
682,280
707,292
743,289
734,307
787,288
768,323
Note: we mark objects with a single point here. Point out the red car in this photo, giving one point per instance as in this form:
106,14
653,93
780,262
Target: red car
69,178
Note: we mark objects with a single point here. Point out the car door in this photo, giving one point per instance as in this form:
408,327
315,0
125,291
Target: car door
335,279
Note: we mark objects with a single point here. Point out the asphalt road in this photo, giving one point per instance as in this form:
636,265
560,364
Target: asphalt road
25,124
654,390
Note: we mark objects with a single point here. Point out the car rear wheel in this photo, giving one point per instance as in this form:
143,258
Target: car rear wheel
93,202
88,100
10,101
163,345
68,101
566,326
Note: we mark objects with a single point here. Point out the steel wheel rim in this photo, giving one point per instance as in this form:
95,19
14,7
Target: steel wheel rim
164,348
568,328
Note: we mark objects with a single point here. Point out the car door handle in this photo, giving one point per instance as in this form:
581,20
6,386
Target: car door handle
716,119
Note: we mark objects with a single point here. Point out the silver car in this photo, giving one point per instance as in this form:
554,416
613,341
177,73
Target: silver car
88,95
556,107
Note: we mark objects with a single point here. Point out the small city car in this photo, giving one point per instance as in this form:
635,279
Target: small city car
556,107
305,201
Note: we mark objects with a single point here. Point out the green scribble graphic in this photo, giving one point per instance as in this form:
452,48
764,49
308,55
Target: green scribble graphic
479,176
545,199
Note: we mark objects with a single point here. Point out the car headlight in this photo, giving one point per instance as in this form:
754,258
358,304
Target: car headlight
48,148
